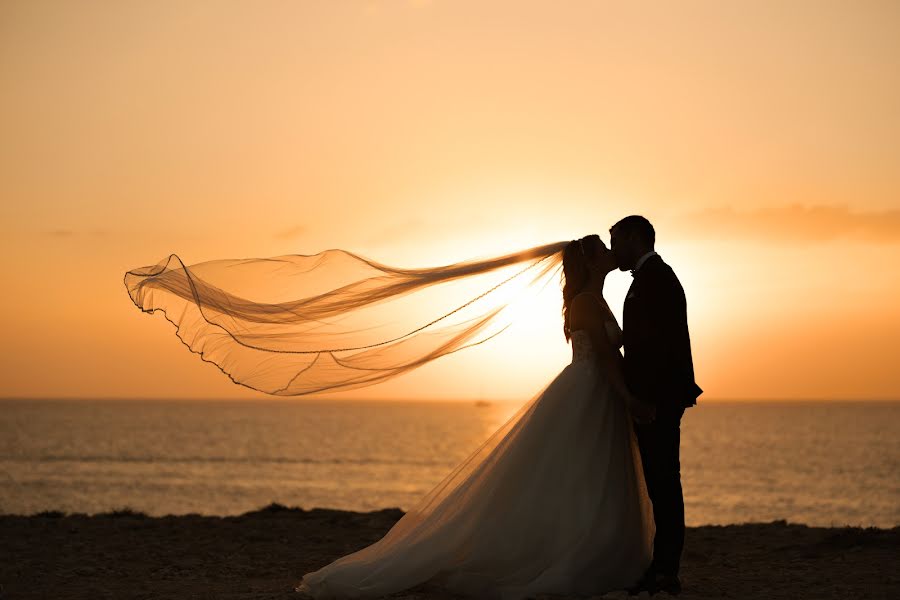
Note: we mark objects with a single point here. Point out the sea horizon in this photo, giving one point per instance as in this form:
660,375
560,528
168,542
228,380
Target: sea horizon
831,463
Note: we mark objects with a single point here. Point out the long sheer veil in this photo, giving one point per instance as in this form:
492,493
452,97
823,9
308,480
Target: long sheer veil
299,324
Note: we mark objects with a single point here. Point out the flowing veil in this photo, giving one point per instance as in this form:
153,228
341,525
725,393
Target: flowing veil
299,324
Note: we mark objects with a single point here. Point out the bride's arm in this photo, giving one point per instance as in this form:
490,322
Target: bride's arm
583,314
613,366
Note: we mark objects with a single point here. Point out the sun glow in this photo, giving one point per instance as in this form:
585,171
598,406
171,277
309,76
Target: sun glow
231,132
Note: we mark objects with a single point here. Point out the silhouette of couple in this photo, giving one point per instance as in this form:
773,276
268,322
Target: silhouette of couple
580,491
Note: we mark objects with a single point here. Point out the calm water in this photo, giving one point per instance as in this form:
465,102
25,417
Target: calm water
814,463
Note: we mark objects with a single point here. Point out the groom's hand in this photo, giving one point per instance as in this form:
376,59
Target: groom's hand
643,412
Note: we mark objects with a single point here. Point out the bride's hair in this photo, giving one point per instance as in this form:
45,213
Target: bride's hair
575,272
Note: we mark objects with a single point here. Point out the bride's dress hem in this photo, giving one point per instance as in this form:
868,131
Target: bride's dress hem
554,502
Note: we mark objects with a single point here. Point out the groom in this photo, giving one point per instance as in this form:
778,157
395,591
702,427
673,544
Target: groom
660,372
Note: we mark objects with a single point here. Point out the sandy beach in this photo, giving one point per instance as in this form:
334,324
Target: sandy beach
263,554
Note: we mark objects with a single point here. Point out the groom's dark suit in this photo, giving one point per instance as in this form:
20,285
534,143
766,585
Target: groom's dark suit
659,370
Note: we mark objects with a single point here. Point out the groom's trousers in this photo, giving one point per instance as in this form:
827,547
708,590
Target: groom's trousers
660,443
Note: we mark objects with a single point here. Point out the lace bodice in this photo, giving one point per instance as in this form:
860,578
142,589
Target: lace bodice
583,348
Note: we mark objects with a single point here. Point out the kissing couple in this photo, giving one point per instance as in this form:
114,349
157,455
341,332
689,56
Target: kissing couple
580,491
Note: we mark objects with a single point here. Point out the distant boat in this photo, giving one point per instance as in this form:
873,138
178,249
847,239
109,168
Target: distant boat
482,403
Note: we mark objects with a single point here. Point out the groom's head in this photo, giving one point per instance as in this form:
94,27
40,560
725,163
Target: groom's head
631,238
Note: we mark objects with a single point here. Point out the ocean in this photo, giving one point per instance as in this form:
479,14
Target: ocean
818,463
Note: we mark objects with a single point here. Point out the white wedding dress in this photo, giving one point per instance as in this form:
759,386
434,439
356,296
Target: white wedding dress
553,502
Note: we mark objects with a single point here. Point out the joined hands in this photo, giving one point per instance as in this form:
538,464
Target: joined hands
642,412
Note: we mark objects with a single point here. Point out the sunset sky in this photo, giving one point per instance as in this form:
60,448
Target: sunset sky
761,138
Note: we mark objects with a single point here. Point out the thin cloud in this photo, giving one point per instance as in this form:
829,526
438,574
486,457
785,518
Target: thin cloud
292,232
407,229
794,223
68,233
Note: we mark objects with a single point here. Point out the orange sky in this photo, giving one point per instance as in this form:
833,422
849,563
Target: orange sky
762,138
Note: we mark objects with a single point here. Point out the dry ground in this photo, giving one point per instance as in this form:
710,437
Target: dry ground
263,554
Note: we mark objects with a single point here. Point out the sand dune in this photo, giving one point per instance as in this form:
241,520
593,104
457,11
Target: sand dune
263,554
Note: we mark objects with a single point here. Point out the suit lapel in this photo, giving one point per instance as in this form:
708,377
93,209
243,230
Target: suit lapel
635,287
629,297
634,290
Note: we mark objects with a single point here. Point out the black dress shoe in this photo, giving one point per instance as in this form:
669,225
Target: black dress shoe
637,588
669,584
647,583
656,582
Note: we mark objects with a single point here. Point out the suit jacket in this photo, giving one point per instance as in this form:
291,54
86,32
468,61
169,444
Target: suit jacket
658,365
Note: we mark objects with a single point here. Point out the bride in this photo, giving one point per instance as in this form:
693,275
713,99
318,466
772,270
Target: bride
553,502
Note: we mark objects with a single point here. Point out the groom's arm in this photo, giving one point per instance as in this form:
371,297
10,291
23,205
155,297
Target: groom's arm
664,316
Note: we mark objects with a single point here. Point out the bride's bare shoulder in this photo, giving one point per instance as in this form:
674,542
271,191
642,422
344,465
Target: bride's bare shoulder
590,301
583,311
583,300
